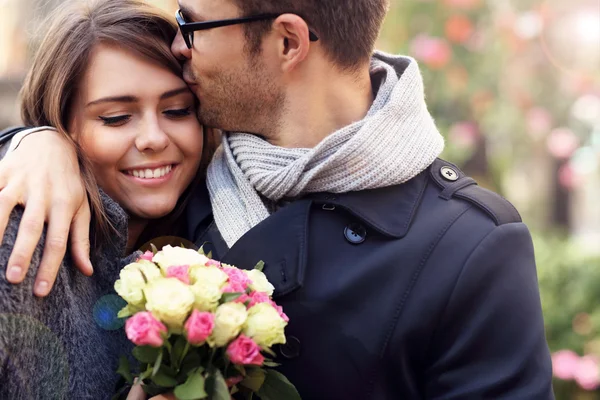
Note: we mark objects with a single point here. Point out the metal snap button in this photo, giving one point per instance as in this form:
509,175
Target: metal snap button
291,348
355,233
449,174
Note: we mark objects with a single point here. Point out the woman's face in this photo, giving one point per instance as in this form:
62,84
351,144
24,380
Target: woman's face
135,120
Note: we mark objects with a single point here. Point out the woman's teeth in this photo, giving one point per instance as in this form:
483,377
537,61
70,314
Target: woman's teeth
150,173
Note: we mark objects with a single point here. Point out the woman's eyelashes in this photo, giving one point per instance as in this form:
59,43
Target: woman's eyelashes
178,113
119,120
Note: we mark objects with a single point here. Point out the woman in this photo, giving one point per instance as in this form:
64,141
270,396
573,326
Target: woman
104,72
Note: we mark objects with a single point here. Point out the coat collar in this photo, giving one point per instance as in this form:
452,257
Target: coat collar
281,241
388,210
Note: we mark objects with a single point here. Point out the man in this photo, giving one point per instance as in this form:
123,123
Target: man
401,277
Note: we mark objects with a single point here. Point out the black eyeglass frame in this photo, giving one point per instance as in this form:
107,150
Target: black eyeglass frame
188,28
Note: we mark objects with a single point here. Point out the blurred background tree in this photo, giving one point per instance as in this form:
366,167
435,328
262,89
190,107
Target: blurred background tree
515,88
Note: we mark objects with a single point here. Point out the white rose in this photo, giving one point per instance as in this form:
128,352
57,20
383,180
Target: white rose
170,300
176,256
206,296
265,325
210,275
131,285
260,283
229,319
148,269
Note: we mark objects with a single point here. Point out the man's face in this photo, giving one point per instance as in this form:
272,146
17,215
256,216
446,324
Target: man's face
237,91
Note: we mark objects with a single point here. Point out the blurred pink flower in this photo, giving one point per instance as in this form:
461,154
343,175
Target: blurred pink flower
464,134
564,364
568,177
459,28
539,122
562,143
434,52
587,374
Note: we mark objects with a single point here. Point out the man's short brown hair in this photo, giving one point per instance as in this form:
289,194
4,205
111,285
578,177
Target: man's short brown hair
347,29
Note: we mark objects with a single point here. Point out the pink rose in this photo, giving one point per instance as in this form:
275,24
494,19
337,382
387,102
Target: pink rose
257,298
213,263
238,281
260,297
587,374
199,326
244,351
147,256
180,272
231,382
564,364
279,309
145,330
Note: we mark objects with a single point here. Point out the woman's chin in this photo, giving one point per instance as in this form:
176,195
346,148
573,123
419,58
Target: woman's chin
151,213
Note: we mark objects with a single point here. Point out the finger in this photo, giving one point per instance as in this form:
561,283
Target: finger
136,393
80,240
30,231
168,396
54,249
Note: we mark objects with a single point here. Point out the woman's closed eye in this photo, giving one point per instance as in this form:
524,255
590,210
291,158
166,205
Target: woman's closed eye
178,113
116,120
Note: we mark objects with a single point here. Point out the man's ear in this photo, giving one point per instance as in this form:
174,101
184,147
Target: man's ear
293,44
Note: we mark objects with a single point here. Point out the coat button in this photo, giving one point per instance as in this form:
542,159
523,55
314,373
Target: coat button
449,174
355,233
291,348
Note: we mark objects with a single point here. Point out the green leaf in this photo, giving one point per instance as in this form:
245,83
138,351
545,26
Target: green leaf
217,387
177,353
271,364
125,369
146,354
276,387
228,297
269,352
260,265
192,389
154,249
152,389
254,379
158,363
164,380
190,363
209,255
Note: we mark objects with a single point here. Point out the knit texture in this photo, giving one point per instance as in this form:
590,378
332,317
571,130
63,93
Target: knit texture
395,141
60,347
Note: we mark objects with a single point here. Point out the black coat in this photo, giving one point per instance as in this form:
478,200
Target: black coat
425,290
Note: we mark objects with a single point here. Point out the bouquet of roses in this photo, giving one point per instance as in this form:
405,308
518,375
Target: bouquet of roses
202,329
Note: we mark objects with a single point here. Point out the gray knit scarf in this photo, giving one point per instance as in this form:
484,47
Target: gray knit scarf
395,141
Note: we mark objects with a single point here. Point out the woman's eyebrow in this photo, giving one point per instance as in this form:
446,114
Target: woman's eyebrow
133,99
113,99
174,92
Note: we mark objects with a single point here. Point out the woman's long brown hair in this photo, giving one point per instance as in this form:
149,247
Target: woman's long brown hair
50,86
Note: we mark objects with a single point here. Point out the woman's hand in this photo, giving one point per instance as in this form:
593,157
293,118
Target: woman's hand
42,174
137,393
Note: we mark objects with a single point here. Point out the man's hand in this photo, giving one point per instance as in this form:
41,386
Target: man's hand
42,174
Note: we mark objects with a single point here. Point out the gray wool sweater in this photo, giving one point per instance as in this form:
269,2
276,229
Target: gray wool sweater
65,346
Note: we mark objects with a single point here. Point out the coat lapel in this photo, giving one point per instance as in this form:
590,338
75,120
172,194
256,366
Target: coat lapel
280,241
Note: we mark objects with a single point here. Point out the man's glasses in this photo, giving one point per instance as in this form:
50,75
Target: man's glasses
188,28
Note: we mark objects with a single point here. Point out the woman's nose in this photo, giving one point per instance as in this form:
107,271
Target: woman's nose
152,138
180,49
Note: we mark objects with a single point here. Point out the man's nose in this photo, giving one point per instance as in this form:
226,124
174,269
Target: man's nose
179,48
